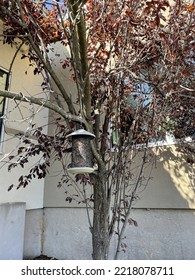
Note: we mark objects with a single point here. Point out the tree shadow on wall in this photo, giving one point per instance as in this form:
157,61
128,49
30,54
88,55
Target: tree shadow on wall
179,163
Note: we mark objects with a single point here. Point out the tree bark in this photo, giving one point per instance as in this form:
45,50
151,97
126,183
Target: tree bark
100,233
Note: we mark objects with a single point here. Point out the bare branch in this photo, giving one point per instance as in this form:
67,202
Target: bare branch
42,102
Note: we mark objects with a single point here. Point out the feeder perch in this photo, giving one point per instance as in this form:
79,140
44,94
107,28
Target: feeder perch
82,158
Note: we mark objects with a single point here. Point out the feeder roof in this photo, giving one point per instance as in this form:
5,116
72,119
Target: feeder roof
81,132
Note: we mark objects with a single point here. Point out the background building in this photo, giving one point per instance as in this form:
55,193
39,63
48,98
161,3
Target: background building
38,220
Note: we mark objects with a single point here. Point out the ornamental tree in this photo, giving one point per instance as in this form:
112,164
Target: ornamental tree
132,63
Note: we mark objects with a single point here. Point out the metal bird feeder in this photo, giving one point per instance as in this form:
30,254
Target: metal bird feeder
82,158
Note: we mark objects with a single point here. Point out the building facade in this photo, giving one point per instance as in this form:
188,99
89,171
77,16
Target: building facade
49,224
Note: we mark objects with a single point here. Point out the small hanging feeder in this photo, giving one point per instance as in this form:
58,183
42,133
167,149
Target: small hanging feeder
82,158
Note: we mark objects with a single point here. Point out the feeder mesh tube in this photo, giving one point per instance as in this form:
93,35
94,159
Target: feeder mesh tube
81,152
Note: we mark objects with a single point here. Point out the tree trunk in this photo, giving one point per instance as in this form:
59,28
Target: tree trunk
100,233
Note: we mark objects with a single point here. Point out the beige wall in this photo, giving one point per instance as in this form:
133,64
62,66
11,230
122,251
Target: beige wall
171,185
172,181
18,122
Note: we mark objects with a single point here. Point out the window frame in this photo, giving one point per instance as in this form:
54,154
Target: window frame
4,108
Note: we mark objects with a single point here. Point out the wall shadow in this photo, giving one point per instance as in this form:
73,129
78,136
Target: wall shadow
172,182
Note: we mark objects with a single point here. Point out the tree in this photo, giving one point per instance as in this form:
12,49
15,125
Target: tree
133,67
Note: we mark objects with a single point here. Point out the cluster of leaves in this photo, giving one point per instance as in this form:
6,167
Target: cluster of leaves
20,18
72,193
131,40
134,41
42,146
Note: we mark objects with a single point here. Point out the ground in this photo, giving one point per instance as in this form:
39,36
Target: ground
44,257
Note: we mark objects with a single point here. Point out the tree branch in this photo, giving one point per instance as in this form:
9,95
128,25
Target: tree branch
42,102
80,30
139,178
36,49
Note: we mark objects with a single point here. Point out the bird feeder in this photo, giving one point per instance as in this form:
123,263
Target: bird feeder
81,158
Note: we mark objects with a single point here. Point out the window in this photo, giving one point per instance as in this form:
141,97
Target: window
134,96
136,100
3,79
157,124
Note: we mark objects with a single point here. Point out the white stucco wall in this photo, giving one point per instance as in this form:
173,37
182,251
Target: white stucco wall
34,228
161,234
12,222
